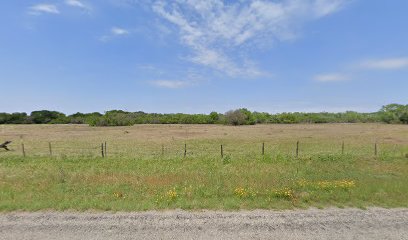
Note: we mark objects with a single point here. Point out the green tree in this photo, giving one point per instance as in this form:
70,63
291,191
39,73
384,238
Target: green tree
393,113
214,118
45,116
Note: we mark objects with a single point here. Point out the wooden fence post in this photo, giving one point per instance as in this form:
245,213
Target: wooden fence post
375,149
185,150
106,154
23,150
263,148
102,150
22,146
297,149
222,152
50,148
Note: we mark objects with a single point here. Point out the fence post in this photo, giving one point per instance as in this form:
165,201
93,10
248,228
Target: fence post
102,150
297,149
263,148
50,148
375,149
222,152
185,150
23,150
106,154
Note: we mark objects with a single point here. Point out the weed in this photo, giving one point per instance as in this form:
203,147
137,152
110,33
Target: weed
226,160
171,194
119,195
284,193
61,174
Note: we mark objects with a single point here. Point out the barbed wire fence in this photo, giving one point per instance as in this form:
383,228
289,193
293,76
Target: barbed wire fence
218,148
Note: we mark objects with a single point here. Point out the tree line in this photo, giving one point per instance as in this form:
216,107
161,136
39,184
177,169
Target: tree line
392,113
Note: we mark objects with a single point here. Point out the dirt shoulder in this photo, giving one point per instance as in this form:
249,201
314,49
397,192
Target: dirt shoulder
373,223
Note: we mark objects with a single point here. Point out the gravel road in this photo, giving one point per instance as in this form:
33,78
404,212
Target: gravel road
374,223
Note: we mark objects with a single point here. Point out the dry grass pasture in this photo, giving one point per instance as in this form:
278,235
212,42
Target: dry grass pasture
145,167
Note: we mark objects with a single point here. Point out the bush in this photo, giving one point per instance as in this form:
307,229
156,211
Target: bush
235,117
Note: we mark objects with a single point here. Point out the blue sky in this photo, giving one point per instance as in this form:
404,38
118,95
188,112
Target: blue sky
198,56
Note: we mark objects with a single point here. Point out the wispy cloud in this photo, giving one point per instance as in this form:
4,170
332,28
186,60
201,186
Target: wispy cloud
43,8
215,30
173,84
385,64
114,32
221,62
78,4
183,78
331,77
389,64
119,31
326,7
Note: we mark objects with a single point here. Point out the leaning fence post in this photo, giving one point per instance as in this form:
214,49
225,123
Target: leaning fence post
222,152
297,149
49,147
102,150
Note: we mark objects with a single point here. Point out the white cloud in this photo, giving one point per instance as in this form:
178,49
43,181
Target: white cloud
43,8
77,3
190,78
119,31
173,84
114,32
331,77
385,64
326,7
364,66
215,31
219,61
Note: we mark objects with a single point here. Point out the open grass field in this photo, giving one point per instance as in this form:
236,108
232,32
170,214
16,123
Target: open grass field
146,167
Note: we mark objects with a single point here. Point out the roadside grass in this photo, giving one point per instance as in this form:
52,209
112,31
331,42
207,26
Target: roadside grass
145,167
273,182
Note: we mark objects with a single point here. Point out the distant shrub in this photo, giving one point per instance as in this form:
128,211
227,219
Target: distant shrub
235,117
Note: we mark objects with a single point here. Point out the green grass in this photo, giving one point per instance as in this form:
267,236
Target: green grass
273,181
136,176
